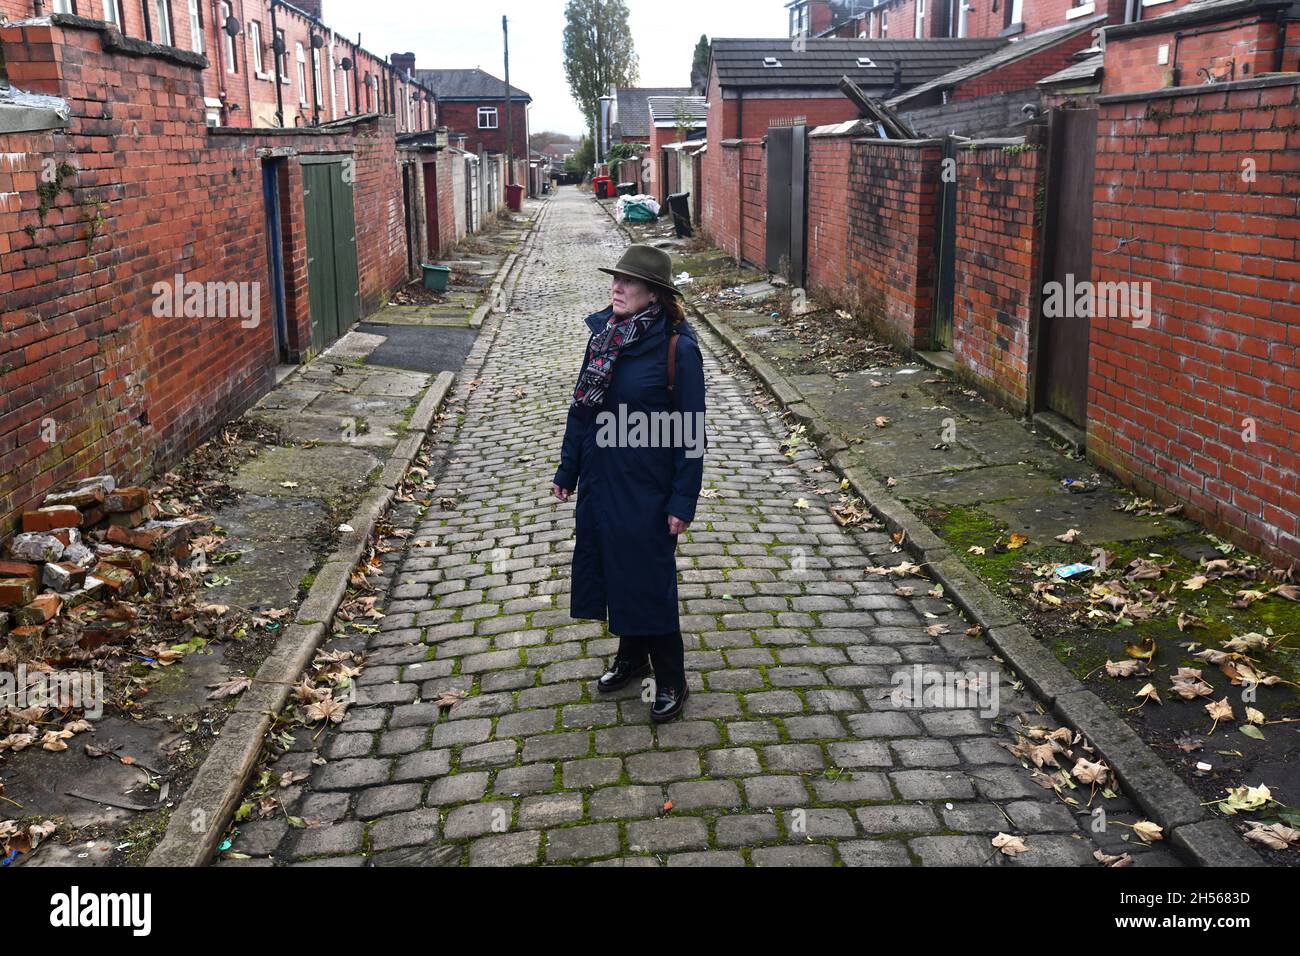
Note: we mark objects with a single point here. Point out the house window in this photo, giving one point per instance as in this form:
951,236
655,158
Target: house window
160,22
884,23
63,6
196,27
487,117
283,57
302,73
315,70
255,38
920,19
1080,8
112,14
227,40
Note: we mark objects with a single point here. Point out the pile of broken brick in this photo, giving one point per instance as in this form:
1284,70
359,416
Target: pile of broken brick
88,542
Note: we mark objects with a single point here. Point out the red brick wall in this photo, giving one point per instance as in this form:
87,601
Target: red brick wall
760,114
463,118
891,208
721,212
998,251
1168,402
753,208
1132,62
828,215
148,194
1023,73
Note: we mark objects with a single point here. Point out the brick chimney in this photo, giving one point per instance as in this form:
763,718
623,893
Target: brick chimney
309,7
403,62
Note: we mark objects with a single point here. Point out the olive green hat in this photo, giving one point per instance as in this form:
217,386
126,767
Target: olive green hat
649,265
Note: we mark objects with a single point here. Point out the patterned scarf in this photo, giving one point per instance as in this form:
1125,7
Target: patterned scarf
605,348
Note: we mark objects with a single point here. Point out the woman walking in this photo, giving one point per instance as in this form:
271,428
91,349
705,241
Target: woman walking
640,480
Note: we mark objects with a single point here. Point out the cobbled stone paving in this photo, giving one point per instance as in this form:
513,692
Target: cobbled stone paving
790,751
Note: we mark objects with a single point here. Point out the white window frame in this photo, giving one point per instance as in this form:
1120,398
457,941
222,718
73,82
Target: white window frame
62,6
255,40
1081,10
301,56
111,13
920,19
1017,11
228,43
884,23
492,113
162,24
315,74
196,26
282,58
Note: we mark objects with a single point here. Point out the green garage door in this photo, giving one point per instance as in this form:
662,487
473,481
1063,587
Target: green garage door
331,250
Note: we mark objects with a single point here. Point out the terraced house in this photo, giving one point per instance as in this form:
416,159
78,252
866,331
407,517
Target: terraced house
164,143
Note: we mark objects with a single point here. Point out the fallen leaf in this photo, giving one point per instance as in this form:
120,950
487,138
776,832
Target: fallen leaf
1070,536
1148,831
230,688
1017,541
1010,845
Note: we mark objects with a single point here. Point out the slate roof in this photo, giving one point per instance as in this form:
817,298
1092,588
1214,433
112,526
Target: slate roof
1025,46
468,85
1085,70
663,109
822,62
634,109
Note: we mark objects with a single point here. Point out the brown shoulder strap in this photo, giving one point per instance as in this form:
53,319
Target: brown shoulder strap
672,359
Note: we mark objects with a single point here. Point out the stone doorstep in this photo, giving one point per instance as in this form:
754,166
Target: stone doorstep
1154,787
221,778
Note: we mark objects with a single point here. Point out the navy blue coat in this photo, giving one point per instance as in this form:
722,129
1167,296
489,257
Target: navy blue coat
624,559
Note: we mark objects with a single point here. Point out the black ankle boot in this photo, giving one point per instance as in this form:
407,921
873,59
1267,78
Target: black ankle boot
669,702
620,674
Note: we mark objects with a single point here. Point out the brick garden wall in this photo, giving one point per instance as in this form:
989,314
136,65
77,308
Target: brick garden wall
998,251
721,211
828,216
1132,63
1172,406
94,380
891,233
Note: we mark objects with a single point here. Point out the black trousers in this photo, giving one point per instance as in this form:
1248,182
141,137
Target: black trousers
666,652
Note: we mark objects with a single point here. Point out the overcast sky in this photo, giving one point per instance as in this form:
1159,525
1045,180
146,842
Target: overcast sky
467,33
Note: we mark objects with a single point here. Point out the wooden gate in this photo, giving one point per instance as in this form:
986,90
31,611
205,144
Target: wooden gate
1062,360
946,245
332,280
787,211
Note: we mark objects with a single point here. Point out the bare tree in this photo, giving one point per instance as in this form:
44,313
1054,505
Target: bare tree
598,53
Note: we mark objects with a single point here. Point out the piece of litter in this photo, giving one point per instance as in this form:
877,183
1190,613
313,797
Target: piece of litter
1204,767
346,528
1070,570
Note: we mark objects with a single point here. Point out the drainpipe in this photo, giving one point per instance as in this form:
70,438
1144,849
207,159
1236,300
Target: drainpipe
1282,21
278,56
740,180
219,57
39,8
248,79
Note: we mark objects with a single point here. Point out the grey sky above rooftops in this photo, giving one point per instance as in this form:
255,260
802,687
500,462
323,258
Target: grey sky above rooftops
665,31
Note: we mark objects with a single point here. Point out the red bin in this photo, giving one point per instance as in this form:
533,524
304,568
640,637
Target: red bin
514,197
603,186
